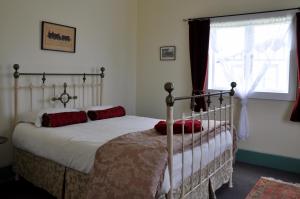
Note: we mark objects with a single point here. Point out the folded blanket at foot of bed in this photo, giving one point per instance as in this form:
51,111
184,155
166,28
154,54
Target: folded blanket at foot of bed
133,165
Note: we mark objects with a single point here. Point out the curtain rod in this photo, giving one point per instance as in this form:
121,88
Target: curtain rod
231,15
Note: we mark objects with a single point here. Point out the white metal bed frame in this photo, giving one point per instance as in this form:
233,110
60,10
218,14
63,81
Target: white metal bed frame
97,86
221,110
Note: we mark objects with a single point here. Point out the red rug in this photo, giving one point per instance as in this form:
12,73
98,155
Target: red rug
269,188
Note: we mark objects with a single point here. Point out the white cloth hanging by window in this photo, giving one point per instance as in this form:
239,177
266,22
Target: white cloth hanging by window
243,49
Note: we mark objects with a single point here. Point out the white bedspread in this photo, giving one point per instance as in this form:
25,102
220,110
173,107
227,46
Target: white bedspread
75,146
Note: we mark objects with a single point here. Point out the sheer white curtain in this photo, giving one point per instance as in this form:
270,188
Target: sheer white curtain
242,50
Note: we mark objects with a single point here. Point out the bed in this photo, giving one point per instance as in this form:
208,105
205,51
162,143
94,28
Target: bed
60,160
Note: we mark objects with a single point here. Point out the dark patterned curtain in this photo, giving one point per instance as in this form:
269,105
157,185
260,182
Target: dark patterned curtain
199,44
295,117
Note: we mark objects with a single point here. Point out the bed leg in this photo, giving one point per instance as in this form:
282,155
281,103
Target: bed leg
230,181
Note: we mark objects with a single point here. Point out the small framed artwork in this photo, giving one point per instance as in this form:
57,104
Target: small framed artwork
167,53
58,37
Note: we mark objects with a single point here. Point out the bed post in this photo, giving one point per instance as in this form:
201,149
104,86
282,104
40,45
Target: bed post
233,85
16,76
101,84
170,102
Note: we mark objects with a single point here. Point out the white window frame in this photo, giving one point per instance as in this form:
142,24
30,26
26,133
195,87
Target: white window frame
291,95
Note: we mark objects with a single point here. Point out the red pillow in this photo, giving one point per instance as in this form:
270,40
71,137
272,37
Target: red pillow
63,119
161,126
117,111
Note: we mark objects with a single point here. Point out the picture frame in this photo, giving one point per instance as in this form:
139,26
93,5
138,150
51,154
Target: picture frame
57,37
168,53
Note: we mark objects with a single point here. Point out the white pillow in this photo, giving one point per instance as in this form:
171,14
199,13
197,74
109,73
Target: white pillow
28,117
95,108
35,117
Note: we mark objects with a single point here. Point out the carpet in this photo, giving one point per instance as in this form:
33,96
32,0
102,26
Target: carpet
269,188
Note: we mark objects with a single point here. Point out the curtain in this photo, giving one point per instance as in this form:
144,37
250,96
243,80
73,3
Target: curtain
295,117
242,52
199,42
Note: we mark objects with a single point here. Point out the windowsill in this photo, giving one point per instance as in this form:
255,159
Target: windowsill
268,96
273,96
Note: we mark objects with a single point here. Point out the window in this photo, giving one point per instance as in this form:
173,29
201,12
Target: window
254,53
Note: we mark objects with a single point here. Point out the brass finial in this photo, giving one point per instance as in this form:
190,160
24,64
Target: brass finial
233,85
102,72
44,78
169,87
16,73
84,78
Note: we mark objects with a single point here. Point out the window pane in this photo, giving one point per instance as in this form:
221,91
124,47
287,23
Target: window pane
234,59
276,78
250,53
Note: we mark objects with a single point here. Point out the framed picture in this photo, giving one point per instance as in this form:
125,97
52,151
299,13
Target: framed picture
167,53
58,37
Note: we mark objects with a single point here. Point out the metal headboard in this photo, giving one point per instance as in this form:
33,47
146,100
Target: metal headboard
63,97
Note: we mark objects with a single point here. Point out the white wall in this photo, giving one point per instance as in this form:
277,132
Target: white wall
116,34
106,35
160,23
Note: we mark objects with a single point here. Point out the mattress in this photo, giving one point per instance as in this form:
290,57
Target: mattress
75,146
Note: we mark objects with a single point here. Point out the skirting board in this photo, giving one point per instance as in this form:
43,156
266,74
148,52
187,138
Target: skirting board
268,160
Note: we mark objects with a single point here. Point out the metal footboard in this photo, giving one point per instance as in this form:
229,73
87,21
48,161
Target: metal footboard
219,120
